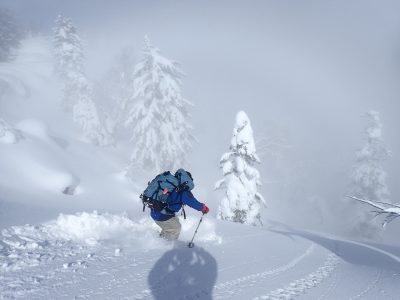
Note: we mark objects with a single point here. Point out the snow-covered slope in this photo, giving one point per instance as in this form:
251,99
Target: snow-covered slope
95,256
50,169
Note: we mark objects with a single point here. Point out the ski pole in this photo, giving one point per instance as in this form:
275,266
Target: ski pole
191,244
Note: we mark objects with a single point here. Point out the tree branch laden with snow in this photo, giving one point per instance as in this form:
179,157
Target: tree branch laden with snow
159,118
391,211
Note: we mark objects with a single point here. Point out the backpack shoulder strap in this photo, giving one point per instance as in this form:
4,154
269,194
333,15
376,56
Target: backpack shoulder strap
183,206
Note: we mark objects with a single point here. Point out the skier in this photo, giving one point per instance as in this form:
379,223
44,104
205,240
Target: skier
166,219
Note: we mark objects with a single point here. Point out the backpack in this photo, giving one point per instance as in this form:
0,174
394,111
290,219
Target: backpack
185,180
153,196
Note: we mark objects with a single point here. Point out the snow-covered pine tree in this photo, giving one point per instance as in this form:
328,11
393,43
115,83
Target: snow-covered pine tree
69,57
242,201
68,49
124,71
85,114
159,117
10,35
115,91
368,176
68,52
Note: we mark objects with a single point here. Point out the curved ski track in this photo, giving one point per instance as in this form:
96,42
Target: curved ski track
222,288
299,286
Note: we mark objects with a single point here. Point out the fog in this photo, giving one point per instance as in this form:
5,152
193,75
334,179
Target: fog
304,71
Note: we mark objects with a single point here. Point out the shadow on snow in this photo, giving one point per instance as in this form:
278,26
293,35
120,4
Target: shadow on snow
183,273
359,253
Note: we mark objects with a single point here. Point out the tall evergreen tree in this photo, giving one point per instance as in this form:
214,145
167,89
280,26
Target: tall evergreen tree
159,116
69,57
242,201
124,71
368,176
10,35
85,115
114,91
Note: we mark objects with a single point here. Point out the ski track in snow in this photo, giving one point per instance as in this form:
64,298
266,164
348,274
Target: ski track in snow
387,295
331,286
369,287
299,286
222,288
68,268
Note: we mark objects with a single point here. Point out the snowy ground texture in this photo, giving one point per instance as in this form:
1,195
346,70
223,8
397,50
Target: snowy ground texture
105,256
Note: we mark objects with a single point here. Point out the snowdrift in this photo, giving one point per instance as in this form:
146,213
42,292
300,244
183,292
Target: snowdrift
43,161
22,246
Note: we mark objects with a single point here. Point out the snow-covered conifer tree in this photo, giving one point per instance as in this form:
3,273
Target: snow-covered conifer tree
115,91
68,52
68,49
69,57
10,35
159,116
242,201
85,114
124,71
368,176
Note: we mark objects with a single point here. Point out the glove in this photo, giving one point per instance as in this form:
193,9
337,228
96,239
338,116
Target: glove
205,209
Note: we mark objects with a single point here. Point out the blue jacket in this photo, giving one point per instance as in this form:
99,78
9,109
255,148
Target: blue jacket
175,202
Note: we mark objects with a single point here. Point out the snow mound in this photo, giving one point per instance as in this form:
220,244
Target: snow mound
38,163
68,235
8,135
47,177
34,127
91,228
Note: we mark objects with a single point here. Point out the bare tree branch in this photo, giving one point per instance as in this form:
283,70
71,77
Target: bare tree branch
392,212
387,203
367,201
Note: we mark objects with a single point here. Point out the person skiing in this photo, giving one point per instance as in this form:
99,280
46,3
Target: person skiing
166,218
166,195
